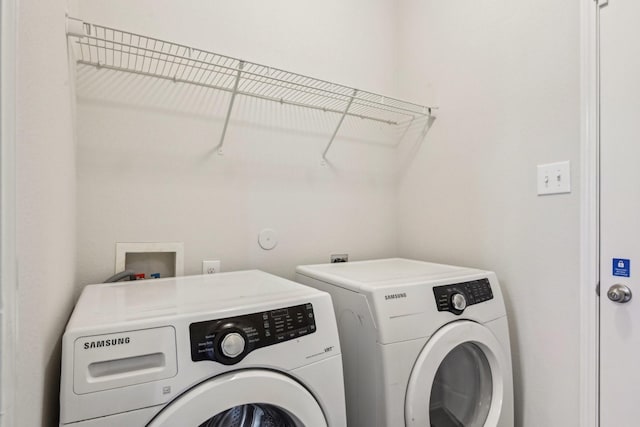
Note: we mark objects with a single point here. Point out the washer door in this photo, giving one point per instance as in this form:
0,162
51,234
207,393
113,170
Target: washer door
457,380
251,398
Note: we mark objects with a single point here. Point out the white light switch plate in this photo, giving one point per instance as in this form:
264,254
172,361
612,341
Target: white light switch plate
554,178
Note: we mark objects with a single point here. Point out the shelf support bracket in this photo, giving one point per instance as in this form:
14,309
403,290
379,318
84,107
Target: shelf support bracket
77,28
335,132
233,98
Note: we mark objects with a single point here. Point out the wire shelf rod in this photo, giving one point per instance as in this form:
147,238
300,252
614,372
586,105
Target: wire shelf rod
181,66
180,62
230,78
188,62
250,95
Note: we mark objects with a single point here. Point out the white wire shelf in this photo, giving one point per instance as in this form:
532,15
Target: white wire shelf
115,49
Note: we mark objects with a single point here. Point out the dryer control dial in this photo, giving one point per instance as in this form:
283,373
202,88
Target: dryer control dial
232,345
456,297
459,302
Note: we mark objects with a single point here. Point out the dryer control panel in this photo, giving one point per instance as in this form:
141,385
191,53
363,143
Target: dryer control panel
456,297
229,340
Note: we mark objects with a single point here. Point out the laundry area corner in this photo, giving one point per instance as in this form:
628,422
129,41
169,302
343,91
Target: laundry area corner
261,142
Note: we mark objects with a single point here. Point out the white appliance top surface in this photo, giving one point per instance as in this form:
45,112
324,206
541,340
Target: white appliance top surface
215,293
383,273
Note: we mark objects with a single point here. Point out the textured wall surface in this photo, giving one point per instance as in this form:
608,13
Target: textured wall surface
45,207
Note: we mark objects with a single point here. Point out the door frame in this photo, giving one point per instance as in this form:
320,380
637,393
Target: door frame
589,213
8,263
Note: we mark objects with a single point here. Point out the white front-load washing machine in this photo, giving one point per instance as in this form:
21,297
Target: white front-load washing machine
225,350
423,344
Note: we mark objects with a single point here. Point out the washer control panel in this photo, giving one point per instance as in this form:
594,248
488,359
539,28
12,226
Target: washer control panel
229,340
458,296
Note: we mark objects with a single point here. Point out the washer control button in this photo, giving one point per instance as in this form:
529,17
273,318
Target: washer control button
459,302
232,345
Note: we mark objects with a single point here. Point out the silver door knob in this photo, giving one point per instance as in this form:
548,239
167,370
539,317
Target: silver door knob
619,293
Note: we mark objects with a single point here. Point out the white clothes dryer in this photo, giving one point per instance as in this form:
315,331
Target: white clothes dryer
225,350
423,344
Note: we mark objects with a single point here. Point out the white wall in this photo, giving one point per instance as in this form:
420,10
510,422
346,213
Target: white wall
45,207
506,76
146,170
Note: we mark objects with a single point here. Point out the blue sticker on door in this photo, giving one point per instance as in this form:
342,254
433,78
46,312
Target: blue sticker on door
621,267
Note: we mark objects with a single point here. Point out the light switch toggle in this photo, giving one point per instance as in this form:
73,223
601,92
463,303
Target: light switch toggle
554,178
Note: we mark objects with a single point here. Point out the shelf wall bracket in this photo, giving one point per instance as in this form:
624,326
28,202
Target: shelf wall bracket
231,102
335,132
77,28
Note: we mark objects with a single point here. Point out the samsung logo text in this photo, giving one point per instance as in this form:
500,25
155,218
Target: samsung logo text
395,296
106,343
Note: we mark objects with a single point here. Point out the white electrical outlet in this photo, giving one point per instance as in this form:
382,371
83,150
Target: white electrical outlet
554,178
211,267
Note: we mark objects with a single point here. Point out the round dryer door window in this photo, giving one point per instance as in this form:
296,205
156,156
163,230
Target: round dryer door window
250,398
462,389
457,380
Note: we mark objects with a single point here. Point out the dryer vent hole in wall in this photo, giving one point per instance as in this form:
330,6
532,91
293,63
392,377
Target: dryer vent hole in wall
339,258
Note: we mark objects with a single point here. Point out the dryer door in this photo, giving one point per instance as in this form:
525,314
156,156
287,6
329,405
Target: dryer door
457,380
250,398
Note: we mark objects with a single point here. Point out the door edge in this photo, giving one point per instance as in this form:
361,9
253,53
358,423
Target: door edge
8,263
589,213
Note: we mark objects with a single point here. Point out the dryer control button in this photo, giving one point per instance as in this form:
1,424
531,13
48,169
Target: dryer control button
459,302
232,345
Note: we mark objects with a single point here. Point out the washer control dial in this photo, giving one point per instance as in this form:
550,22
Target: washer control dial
459,302
231,339
232,345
